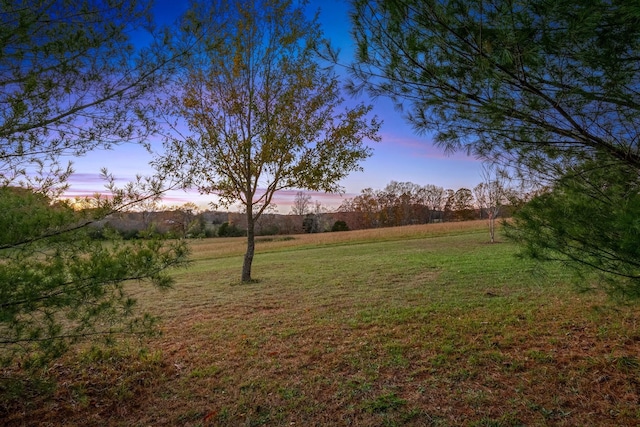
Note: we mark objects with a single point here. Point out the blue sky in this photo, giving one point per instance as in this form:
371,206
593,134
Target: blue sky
401,155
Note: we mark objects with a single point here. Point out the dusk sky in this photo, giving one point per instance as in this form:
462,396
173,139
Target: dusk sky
401,155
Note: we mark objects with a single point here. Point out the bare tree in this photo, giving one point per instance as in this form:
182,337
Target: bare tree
185,219
433,199
491,195
301,204
463,204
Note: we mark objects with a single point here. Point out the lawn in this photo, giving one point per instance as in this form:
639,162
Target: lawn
421,326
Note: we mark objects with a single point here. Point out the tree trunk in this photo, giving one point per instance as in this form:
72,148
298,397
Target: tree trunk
492,226
251,246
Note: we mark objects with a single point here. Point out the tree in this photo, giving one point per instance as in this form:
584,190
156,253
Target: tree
597,196
366,205
340,226
315,221
71,81
541,86
400,201
186,220
230,230
463,204
448,208
491,195
261,114
309,224
301,204
433,199
58,285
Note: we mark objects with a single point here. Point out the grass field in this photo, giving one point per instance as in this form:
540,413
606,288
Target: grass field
419,326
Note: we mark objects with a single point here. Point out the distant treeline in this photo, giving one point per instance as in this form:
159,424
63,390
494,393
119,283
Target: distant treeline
405,203
399,203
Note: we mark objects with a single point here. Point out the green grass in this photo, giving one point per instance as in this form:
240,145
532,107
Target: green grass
414,326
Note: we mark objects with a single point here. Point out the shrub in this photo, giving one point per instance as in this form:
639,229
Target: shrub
340,226
230,230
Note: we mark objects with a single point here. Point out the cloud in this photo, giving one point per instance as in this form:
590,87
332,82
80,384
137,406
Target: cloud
421,148
72,194
89,184
91,178
85,178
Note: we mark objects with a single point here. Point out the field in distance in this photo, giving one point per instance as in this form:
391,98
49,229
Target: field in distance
411,326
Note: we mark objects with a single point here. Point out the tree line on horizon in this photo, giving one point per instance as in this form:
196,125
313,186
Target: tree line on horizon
406,203
397,204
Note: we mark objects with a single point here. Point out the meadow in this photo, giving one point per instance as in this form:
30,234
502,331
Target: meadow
413,326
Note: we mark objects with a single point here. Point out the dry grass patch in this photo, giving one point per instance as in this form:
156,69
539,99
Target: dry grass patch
234,246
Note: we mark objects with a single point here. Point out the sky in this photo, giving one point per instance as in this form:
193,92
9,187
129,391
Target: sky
402,155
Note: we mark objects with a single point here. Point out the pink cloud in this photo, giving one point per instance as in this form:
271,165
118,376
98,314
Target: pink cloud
89,184
76,192
87,178
422,147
